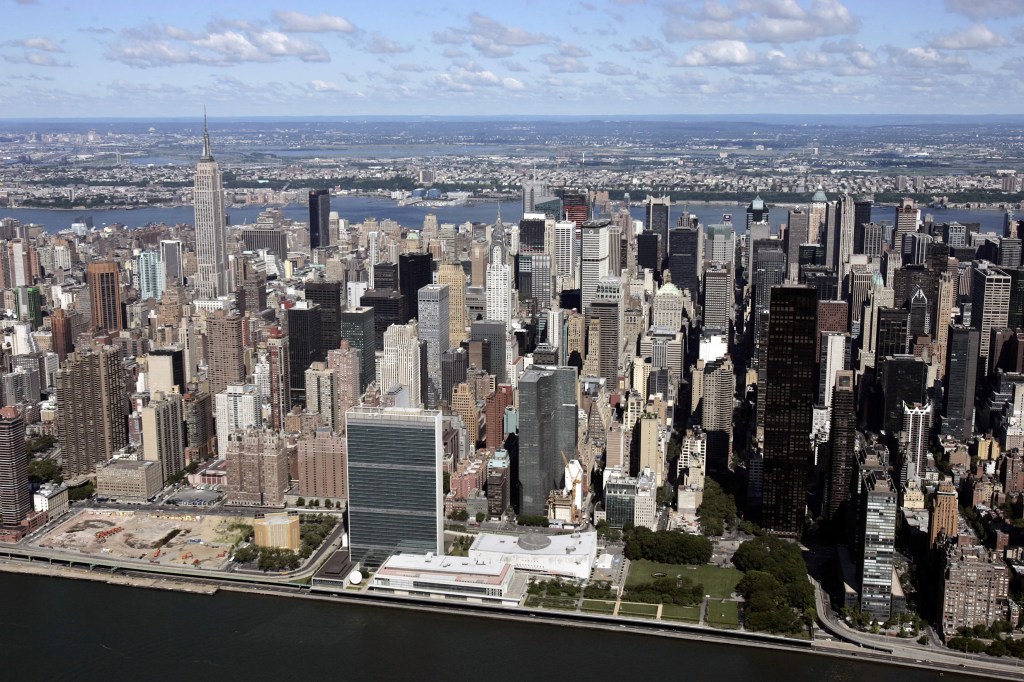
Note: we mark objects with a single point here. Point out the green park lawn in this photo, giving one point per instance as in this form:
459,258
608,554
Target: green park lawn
687,614
723,614
598,606
718,582
638,610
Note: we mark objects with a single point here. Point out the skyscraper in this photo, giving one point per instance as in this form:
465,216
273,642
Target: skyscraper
959,381
163,432
357,326
657,221
15,493
170,256
547,431
945,516
327,295
92,409
279,360
394,483
879,543
211,237
152,276
305,344
686,258
319,218
345,364
990,304
594,260
454,277
60,328
843,439
105,295
434,329
797,232
789,397
414,273
225,356
499,280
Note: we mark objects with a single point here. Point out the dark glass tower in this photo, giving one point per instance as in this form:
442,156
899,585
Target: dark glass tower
789,397
414,273
305,345
959,382
319,218
357,327
327,295
547,431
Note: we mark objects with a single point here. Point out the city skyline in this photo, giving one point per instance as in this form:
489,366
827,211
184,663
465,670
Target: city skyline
611,58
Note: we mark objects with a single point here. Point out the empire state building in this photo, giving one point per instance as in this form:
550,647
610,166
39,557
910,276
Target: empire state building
211,239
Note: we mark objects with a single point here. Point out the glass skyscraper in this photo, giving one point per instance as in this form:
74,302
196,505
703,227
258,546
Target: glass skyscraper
394,482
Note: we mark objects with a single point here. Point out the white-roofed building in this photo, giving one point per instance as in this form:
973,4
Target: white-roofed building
570,556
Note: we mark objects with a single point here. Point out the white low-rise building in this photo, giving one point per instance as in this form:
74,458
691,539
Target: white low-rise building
52,499
434,576
570,555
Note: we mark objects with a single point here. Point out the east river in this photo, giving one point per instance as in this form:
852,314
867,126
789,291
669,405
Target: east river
59,629
357,209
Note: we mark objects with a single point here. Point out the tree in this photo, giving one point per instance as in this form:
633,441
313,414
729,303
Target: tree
669,547
328,504
480,517
301,502
44,471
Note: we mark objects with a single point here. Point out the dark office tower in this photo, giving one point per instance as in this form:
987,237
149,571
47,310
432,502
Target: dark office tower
789,397
389,307
903,379
657,221
414,273
576,208
861,216
454,363
893,333
822,280
648,249
494,333
920,316
959,381
843,439
327,295
265,236
1015,314
105,296
385,277
357,326
685,258
319,218
305,340
394,483
92,409
757,211
769,271
797,232
1009,252
15,496
60,328
547,432
531,235
479,354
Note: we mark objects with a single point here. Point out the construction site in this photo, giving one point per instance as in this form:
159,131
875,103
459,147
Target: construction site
163,538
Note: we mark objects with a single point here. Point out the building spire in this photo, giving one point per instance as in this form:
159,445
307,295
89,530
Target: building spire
499,213
207,154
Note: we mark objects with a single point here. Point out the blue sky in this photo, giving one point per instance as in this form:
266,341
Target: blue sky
62,58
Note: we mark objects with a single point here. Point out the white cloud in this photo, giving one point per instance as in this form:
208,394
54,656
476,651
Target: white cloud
975,37
719,53
612,69
35,59
153,46
379,44
44,44
324,86
926,60
560,64
296,22
490,37
986,9
765,21
512,84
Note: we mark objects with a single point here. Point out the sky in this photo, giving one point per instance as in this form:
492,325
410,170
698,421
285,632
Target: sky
87,58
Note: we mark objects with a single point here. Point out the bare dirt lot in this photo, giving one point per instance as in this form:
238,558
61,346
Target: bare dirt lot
165,538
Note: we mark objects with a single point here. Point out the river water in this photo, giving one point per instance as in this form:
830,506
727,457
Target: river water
357,209
61,629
